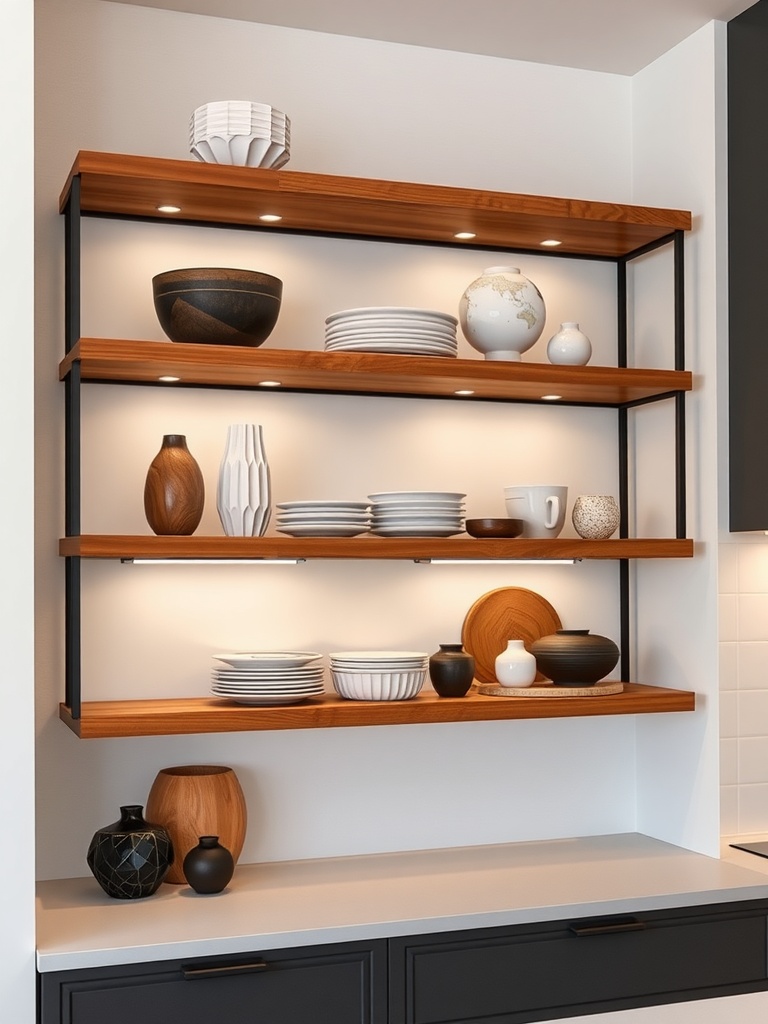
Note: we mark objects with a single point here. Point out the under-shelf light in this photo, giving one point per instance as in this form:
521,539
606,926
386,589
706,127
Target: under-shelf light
496,561
212,561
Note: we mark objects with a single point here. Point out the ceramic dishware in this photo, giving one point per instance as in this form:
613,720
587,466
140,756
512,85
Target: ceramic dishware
540,506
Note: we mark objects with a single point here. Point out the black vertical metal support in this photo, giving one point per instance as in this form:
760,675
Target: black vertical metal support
680,472
623,446
72,383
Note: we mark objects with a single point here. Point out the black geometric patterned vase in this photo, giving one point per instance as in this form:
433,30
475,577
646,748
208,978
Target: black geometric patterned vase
130,858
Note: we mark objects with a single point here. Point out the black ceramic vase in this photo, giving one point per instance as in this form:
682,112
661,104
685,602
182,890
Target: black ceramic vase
130,858
574,657
208,867
451,671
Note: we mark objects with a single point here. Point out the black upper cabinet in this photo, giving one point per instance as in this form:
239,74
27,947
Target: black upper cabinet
748,227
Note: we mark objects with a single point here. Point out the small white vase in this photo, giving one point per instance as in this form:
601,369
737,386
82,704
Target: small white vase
515,666
244,490
502,313
595,516
570,346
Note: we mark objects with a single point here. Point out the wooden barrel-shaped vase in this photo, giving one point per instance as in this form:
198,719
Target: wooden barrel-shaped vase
196,800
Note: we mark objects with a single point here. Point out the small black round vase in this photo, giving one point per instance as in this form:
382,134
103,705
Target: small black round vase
130,858
208,867
574,657
451,671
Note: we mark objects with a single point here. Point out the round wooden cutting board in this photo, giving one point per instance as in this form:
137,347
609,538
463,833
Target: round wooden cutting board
509,613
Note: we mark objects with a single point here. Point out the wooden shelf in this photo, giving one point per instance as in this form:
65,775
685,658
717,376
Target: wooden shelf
116,184
101,719
103,359
366,546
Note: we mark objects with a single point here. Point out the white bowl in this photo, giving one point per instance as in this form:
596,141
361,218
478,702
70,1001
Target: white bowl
242,151
378,685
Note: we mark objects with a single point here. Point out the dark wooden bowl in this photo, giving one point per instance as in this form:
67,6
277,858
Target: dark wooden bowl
494,527
215,306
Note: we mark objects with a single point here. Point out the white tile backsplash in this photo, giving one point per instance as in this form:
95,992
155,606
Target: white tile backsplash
743,667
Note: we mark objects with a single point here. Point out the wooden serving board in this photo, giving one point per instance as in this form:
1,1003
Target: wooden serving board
509,613
598,690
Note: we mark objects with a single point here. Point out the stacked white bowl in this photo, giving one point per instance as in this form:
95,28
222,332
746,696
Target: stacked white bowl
378,675
240,132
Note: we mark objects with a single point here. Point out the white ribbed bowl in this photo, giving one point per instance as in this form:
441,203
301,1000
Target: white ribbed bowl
239,133
378,685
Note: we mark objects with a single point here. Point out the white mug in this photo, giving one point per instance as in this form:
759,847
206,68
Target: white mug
540,506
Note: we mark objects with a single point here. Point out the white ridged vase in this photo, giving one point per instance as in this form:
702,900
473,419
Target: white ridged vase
244,490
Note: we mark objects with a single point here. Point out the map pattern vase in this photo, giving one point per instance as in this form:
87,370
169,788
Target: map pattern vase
502,313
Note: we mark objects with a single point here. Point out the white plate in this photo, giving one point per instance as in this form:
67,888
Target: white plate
436,508
311,505
386,344
267,699
425,322
379,655
325,517
322,531
253,691
389,311
419,496
247,679
394,331
268,659
414,531
417,522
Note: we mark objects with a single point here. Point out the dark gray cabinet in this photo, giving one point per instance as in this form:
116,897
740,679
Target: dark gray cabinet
312,985
509,975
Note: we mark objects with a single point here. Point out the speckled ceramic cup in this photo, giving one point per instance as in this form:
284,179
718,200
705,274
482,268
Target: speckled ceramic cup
595,516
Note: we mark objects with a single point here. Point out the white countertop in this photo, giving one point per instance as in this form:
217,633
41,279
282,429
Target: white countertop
274,906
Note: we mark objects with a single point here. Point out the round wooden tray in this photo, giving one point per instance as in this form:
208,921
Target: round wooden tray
598,690
509,613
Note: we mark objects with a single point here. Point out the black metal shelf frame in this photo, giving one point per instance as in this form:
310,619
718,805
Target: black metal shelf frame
73,215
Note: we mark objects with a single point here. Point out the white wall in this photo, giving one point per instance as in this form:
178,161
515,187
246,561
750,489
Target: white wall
17,850
381,110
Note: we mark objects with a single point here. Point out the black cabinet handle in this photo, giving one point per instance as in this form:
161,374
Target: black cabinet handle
199,973
625,924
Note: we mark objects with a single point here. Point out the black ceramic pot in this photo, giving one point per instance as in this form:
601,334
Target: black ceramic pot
574,657
451,671
130,858
208,867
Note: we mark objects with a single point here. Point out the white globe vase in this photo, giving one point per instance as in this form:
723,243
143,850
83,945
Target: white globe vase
502,313
515,666
570,346
244,490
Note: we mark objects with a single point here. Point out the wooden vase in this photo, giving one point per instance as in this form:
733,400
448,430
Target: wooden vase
174,492
198,800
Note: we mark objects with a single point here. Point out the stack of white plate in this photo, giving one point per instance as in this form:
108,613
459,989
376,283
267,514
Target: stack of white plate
268,677
398,329
240,132
323,518
417,513
378,675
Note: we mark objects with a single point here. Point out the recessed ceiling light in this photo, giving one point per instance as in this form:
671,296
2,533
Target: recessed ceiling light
269,383
169,380
464,391
465,235
551,398
167,208
551,242
270,218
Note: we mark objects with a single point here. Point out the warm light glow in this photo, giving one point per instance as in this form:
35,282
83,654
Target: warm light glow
270,383
270,218
169,380
551,242
167,208
551,398
465,235
464,391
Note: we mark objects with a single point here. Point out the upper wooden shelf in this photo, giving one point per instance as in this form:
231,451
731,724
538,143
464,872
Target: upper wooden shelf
366,546
103,359
102,719
119,185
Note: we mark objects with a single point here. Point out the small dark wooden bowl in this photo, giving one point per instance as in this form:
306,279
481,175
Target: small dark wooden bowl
494,527
215,306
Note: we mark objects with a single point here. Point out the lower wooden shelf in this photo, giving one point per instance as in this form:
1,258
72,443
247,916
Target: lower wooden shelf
103,719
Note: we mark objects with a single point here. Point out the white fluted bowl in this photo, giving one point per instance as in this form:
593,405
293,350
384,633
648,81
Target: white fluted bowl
378,685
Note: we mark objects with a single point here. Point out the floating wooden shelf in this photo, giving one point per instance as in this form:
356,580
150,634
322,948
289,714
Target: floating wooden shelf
135,186
144,362
366,546
101,719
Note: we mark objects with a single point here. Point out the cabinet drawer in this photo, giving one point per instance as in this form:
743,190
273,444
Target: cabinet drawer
311,985
540,972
